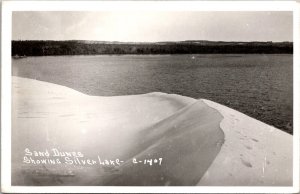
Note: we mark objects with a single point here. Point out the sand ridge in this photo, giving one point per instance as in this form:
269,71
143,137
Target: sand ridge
196,139
180,130
254,153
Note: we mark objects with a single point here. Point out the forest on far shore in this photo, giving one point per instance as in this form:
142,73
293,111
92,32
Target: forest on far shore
80,47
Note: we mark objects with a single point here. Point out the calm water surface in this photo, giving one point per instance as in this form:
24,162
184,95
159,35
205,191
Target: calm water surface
258,85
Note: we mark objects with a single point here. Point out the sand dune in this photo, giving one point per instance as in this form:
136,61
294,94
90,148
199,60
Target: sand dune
199,142
254,153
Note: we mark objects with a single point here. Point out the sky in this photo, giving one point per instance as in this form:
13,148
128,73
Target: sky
153,26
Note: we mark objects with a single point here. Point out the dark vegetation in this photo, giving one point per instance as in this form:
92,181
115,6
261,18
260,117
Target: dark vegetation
77,47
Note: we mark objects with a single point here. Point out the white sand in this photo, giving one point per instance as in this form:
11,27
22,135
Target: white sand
185,131
254,153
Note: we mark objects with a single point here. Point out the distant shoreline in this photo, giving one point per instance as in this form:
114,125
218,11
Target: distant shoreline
94,55
77,47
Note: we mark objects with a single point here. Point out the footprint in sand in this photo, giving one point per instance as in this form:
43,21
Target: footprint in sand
236,120
248,147
254,139
246,163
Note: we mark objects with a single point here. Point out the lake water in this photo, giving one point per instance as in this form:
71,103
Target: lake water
258,85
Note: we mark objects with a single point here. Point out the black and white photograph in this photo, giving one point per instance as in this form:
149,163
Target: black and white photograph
152,97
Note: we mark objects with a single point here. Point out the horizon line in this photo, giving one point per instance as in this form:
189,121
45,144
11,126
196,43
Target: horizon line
200,40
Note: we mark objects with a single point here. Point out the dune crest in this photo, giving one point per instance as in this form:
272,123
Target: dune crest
254,153
194,139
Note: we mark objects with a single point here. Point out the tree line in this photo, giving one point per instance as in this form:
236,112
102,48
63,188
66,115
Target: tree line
74,47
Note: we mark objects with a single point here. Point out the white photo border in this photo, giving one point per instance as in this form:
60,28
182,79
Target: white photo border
9,6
